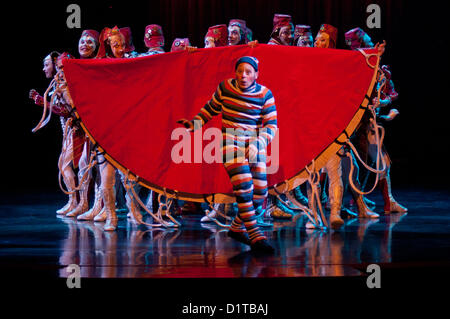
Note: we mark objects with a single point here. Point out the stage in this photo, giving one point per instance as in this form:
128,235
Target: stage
32,236
171,268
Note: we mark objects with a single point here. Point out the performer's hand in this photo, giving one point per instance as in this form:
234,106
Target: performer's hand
392,114
187,124
253,43
251,152
191,49
33,93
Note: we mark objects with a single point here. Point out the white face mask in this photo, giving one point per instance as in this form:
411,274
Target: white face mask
234,35
86,46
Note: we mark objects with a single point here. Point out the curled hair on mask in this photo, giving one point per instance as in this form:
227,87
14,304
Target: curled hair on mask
112,33
53,56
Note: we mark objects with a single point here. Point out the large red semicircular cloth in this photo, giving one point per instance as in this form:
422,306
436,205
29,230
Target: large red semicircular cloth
129,107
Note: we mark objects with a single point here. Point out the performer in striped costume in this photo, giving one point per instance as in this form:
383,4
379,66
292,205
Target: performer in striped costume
249,123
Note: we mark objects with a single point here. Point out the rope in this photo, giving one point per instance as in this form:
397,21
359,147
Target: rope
213,209
60,88
129,187
44,111
168,204
212,205
368,56
378,141
63,156
314,181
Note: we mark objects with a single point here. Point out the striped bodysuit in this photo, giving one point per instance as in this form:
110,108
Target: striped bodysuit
248,118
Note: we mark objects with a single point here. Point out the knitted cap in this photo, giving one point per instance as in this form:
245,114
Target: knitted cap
248,59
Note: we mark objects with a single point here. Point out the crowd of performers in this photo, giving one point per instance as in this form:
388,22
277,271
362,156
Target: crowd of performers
80,162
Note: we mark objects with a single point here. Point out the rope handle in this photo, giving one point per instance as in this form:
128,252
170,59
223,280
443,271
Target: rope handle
314,180
44,111
368,56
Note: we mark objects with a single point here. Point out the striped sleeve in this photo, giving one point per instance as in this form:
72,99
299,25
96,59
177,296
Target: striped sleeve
212,108
269,121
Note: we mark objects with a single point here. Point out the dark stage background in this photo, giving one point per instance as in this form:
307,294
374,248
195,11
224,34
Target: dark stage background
416,35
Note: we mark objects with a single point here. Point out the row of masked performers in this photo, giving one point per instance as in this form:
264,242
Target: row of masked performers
80,161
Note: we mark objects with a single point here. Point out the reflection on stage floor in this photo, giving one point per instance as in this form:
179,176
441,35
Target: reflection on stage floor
31,234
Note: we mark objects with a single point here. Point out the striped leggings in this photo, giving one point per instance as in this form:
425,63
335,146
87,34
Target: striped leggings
249,186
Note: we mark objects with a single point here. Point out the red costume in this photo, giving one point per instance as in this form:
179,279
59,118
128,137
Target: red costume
218,34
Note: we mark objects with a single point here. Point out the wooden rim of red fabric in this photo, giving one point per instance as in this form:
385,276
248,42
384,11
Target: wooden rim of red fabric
288,184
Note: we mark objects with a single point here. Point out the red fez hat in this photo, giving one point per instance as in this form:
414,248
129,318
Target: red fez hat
180,44
281,20
63,56
357,38
219,33
153,36
92,33
238,22
128,39
331,31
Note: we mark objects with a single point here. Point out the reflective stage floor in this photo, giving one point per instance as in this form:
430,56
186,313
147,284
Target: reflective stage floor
32,237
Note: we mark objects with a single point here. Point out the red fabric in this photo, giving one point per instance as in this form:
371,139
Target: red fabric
131,112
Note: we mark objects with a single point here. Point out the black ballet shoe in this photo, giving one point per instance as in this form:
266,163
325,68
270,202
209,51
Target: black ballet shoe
262,246
241,237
